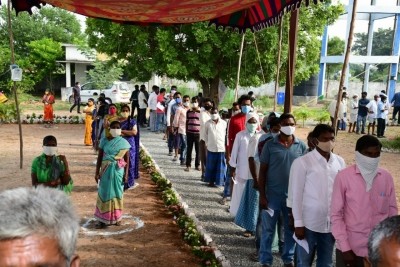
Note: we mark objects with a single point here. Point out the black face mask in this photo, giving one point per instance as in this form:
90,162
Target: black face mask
207,107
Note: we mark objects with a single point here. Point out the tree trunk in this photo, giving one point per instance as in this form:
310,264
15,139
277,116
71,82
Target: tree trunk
210,88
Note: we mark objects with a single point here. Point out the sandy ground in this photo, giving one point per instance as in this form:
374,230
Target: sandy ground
158,242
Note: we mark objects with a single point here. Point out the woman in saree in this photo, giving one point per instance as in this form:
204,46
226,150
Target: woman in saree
111,174
48,101
50,169
88,110
131,134
111,116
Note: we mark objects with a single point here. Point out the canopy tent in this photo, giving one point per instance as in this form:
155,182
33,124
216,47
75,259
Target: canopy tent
238,14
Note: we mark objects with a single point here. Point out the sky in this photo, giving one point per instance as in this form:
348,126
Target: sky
339,27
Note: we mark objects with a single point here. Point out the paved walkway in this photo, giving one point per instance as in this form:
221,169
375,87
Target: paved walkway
203,201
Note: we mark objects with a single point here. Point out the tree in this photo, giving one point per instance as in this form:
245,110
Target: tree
104,73
203,53
335,48
37,39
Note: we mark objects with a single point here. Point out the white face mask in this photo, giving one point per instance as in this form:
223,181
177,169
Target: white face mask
326,146
214,117
288,130
49,150
195,105
115,132
186,104
235,112
368,168
125,114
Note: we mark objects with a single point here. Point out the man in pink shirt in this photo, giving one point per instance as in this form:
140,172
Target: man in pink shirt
179,124
363,195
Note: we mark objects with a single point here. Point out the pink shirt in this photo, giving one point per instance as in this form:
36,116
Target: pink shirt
354,212
180,120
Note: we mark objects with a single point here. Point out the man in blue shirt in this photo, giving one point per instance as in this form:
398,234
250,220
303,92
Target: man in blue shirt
276,159
362,113
396,107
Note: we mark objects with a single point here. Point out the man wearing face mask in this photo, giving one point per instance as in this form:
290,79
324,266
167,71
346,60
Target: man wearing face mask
204,117
363,195
50,169
276,159
179,124
153,108
310,191
244,200
214,137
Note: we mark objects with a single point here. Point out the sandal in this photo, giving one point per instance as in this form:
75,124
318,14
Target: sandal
119,223
247,234
100,225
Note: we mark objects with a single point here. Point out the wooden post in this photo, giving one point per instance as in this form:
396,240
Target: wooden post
10,33
238,72
294,22
345,63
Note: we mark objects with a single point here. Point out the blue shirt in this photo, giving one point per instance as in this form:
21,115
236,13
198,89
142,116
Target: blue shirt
396,99
279,160
362,107
381,114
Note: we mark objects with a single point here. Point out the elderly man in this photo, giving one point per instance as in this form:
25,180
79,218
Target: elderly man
384,244
38,227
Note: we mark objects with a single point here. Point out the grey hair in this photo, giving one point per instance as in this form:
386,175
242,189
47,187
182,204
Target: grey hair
39,211
388,229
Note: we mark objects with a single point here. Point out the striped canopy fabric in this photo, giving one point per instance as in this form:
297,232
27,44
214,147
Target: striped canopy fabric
237,14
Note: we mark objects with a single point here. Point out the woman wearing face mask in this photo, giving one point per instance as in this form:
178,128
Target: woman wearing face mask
88,110
112,171
129,131
48,101
50,169
111,116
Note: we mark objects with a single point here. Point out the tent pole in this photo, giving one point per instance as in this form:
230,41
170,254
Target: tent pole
238,72
278,62
345,63
21,143
294,23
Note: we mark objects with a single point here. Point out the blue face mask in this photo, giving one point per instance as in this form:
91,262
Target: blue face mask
178,100
245,109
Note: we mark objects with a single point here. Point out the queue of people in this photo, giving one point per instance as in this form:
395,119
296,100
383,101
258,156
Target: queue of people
273,181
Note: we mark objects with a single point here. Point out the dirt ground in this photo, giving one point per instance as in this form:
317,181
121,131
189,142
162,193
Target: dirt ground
158,242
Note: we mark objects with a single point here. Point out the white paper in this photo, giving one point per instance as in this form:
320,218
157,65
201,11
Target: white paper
161,107
270,212
302,243
234,181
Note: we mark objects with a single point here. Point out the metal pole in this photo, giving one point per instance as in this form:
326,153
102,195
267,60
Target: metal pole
345,63
294,22
278,62
238,72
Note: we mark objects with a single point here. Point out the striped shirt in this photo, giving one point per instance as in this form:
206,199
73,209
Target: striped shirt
193,121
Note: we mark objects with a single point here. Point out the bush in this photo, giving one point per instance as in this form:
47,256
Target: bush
322,116
391,144
8,111
302,113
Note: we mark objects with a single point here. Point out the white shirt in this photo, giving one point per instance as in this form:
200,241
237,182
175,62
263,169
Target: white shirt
239,158
332,109
214,135
372,109
354,107
310,190
170,104
252,151
204,117
152,101
141,99
344,102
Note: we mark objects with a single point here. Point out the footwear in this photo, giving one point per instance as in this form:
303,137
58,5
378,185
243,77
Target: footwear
175,158
79,112
119,223
223,202
197,169
169,153
100,225
254,257
187,169
362,132
183,163
289,264
265,265
247,234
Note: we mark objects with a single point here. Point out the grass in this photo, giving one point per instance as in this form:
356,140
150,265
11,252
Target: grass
392,144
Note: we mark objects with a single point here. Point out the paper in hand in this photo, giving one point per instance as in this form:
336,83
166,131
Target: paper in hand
302,243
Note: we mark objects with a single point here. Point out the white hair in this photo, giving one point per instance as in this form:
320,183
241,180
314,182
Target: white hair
389,230
39,211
